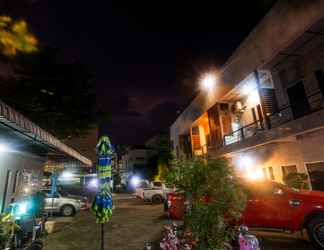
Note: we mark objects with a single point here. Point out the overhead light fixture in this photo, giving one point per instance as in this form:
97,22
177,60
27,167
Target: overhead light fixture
208,81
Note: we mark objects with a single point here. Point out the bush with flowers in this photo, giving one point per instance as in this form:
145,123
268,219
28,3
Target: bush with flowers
207,222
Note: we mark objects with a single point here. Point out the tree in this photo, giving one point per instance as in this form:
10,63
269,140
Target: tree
59,97
160,164
213,195
15,37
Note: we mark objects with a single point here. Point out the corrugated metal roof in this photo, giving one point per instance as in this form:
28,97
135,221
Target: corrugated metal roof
17,121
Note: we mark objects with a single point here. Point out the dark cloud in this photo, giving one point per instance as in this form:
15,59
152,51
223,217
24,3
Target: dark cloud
146,55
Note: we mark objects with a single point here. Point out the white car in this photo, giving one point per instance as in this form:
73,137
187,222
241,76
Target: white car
155,192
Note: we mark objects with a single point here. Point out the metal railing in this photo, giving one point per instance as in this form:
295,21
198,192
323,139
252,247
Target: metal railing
285,114
243,132
16,120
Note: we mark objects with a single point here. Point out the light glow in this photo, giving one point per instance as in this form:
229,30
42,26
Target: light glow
94,183
255,174
22,208
245,162
67,175
4,148
135,181
208,82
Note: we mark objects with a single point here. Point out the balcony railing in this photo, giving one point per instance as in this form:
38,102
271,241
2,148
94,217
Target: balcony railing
16,120
274,120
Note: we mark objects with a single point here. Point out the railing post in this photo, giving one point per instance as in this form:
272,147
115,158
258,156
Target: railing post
267,121
242,133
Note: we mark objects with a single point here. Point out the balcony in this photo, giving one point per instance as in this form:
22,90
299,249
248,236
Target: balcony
275,127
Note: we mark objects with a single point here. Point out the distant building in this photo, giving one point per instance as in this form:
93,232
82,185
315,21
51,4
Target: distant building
136,157
266,111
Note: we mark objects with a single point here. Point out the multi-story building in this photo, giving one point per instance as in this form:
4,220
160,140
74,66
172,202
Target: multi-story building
134,160
265,112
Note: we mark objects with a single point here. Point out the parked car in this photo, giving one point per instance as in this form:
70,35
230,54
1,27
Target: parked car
273,206
154,192
64,204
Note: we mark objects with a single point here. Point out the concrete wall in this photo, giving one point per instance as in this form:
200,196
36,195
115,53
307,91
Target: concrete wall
286,21
17,162
129,161
302,149
299,68
312,146
273,155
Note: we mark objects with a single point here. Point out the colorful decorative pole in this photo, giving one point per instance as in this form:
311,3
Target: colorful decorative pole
102,205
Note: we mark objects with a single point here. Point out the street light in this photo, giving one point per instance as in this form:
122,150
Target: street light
4,148
135,181
208,81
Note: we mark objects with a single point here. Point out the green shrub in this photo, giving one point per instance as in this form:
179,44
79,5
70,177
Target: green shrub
201,178
297,180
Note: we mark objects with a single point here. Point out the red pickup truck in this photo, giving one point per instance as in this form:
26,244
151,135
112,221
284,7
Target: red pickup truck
273,206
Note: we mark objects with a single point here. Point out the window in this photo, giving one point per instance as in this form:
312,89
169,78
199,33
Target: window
286,170
157,184
298,100
271,175
316,174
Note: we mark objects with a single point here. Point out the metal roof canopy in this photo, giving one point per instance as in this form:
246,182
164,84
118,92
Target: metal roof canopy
33,135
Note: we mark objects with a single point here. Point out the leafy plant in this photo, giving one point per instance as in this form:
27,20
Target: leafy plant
15,37
297,180
214,197
7,226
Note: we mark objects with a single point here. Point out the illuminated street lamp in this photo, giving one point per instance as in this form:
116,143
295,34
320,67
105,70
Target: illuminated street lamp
208,81
4,148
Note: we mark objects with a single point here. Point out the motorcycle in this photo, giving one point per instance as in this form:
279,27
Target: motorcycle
22,228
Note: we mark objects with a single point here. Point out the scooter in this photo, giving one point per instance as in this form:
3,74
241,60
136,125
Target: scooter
23,228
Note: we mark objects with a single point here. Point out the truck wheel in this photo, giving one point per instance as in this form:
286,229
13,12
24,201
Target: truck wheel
67,210
315,230
157,199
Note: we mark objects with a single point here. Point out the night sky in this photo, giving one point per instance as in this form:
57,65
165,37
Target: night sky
146,55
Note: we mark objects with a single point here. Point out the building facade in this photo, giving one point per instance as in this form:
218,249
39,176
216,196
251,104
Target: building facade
266,111
133,161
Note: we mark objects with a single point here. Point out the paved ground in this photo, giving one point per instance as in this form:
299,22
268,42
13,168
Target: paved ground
134,223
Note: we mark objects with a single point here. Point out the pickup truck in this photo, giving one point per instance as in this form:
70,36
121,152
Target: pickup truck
153,192
273,206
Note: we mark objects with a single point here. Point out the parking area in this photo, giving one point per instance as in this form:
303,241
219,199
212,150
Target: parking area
134,223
